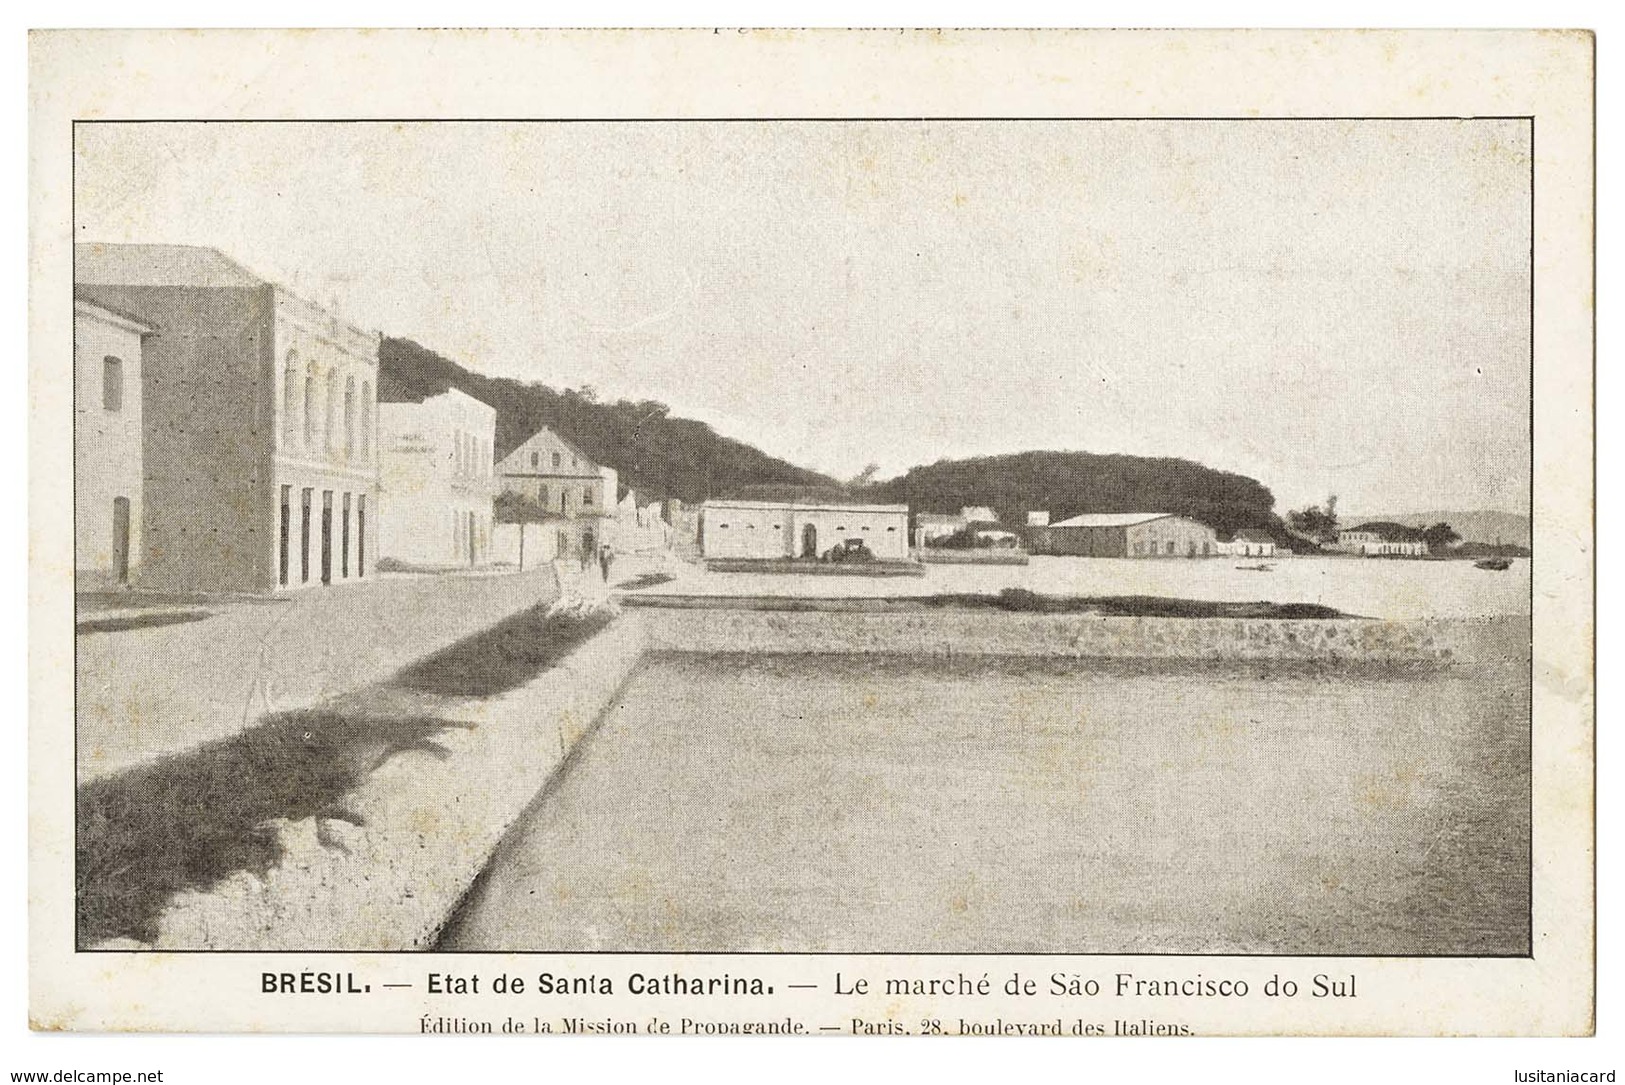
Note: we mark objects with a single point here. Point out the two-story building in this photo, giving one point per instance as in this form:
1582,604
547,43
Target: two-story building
566,489
107,471
436,479
258,423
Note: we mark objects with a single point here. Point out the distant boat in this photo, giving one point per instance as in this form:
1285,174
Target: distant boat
1496,565
1257,568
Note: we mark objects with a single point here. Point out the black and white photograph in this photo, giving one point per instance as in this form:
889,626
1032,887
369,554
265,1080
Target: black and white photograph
907,536
663,548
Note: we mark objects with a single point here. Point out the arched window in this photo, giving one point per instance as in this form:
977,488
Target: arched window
349,418
310,410
332,411
290,398
366,420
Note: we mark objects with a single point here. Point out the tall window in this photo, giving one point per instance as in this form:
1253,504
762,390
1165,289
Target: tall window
112,384
332,411
310,410
557,459
535,459
366,422
290,399
349,418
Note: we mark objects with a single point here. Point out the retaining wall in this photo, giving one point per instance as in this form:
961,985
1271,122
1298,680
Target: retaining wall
430,822
949,633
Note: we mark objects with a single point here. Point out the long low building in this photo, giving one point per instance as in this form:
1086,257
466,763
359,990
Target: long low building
1125,535
768,530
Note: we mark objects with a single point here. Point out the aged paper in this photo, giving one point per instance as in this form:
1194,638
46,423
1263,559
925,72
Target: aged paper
828,533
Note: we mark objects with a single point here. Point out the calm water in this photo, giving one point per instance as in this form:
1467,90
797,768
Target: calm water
1370,587
863,803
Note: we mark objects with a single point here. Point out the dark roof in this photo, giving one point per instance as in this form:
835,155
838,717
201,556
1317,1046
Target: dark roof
1388,531
89,298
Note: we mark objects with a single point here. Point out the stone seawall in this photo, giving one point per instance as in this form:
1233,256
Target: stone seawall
427,821
971,633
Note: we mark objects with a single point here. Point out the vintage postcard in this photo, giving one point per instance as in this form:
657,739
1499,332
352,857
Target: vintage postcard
818,533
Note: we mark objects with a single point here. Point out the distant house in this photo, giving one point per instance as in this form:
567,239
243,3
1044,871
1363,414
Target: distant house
1125,535
1382,538
931,526
978,514
791,529
1250,542
1038,519
574,494
435,478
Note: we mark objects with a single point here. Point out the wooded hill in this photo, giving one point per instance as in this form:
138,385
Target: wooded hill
1068,483
663,456
656,454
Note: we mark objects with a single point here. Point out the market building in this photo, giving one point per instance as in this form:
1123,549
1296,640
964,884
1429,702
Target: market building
769,530
257,419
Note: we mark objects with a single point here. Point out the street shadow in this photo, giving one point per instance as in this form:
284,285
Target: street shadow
192,820
504,657
150,619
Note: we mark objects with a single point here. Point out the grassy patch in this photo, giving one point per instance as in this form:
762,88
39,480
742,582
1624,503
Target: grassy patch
1010,600
1023,601
504,657
192,820
647,580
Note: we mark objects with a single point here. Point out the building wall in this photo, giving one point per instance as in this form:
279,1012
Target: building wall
107,445
748,531
324,392
207,426
436,477
1371,544
1084,542
1171,536
743,530
547,470
885,533
1150,539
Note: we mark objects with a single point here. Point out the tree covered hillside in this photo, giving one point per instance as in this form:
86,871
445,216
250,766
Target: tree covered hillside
1068,483
658,455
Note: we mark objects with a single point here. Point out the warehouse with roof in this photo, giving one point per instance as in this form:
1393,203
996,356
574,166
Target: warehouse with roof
1124,535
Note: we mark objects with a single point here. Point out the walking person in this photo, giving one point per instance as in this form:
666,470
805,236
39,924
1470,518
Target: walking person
606,558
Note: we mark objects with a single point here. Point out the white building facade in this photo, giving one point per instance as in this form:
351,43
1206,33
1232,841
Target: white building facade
1382,540
437,480
107,472
767,530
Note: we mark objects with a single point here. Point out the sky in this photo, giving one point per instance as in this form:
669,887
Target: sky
1330,307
